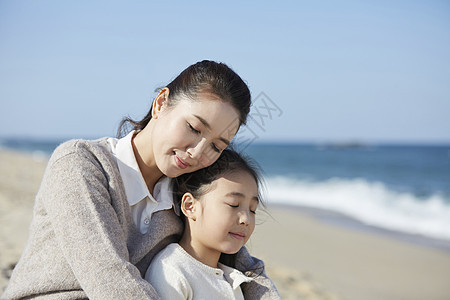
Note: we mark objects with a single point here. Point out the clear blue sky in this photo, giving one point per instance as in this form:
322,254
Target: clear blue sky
338,70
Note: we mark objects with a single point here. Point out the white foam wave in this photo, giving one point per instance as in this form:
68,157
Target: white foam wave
369,202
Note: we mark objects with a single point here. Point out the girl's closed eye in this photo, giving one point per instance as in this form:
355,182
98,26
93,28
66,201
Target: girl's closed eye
252,210
232,203
254,207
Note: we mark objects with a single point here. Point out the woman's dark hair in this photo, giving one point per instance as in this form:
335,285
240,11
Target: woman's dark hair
199,182
203,77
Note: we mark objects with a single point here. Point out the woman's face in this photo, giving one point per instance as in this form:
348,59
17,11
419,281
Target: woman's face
191,134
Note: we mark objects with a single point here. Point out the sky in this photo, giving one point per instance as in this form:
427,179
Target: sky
319,71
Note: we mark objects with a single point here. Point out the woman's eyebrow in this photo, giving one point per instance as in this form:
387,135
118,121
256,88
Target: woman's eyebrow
203,121
206,124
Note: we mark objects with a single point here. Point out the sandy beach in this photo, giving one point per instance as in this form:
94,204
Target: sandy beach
306,257
353,264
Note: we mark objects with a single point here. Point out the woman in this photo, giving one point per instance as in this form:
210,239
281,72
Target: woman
96,224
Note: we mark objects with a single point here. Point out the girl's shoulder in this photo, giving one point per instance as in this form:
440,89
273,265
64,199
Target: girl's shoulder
169,256
166,271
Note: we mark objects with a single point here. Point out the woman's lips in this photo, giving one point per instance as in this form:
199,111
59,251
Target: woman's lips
181,163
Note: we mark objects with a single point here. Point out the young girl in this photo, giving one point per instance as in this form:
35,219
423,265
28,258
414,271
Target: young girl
96,224
219,205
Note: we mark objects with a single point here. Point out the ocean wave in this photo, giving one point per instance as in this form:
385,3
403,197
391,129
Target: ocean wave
372,203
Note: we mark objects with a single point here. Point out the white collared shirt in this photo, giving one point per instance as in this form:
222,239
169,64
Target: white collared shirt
175,274
142,203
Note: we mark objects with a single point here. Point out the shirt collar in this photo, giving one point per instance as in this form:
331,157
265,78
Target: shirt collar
233,276
163,194
135,186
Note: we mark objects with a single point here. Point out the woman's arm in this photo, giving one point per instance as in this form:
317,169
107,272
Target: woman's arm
262,287
87,229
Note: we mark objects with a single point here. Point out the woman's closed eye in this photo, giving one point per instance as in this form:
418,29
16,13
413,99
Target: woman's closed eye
214,147
193,129
196,131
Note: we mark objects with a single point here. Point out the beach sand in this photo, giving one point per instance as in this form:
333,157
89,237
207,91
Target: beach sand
353,264
20,176
305,257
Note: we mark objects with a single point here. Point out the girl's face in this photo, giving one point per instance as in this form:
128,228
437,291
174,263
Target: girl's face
191,134
225,215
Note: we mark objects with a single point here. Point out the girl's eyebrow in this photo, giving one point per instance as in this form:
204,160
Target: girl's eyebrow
206,124
240,195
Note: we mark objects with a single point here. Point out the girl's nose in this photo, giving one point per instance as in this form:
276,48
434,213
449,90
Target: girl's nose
244,218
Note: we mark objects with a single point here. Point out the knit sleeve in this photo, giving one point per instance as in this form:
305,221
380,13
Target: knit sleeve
261,287
87,230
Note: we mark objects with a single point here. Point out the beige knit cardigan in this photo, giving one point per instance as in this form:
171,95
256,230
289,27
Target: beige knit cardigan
83,242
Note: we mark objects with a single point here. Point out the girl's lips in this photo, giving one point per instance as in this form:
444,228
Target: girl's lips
181,163
239,236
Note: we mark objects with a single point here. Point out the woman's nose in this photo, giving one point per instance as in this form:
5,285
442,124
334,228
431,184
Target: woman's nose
195,151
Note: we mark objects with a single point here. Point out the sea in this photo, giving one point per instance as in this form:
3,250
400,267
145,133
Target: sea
394,189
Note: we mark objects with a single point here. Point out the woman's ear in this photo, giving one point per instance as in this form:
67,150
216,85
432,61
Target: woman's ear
188,206
160,102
